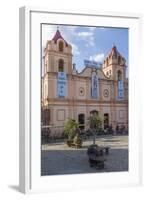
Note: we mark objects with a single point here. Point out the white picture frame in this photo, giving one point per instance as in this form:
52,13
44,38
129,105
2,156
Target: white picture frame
30,178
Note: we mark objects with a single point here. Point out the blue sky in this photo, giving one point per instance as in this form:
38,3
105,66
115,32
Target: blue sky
89,43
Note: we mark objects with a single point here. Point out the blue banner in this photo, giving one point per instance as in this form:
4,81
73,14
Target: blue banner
120,90
61,85
94,64
94,86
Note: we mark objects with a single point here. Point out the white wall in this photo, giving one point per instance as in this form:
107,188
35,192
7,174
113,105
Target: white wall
9,41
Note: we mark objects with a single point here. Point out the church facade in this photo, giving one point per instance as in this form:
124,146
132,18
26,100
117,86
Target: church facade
66,93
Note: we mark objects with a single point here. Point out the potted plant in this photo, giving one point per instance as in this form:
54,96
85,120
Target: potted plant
95,123
70,128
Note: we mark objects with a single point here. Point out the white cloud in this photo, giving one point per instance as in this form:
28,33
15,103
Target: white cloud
88,36
85,34
91,41
75,49
97,57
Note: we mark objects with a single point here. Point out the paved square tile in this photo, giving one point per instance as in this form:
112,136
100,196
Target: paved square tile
58,158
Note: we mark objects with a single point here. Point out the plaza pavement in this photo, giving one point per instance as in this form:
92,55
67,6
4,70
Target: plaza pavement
58,158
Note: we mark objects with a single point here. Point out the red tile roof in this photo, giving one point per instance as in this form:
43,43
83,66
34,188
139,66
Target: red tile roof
58,36
114,52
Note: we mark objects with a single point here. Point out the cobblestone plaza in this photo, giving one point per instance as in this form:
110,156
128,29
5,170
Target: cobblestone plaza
58,158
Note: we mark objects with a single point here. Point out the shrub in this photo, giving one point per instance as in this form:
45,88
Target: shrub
70,128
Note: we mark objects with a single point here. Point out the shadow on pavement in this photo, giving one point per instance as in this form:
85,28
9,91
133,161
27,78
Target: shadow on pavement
75,161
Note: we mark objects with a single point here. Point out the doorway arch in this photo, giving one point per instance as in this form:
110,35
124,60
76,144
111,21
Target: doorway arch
106,120
81,120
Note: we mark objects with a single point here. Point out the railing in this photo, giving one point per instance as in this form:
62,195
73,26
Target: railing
51,131
57,130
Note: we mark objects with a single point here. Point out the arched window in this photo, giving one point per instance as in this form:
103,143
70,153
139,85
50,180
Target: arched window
119,75
61,65
60,46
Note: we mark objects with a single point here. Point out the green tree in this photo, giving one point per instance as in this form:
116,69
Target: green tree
95,122
70,128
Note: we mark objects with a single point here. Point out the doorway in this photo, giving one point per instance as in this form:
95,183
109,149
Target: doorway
106,120
81,120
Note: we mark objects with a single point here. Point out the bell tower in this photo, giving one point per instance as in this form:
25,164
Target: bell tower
114,68
114,65
57,68
58,55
